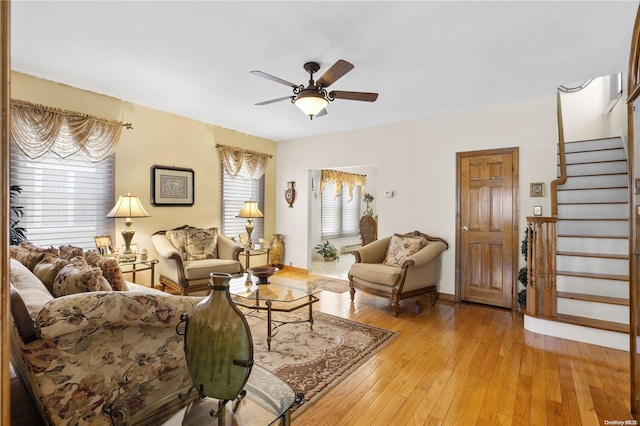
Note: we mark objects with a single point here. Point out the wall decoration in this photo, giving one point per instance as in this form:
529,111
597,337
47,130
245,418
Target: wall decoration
537,189
537,210
104,245
290,193
172,186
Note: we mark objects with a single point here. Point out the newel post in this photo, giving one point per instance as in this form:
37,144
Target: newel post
541,266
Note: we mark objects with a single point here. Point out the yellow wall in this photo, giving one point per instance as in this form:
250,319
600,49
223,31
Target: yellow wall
158,138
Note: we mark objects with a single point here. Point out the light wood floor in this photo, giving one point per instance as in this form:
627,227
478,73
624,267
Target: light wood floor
468,365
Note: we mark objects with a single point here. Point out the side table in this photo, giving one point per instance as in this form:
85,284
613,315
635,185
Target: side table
247,253
138,266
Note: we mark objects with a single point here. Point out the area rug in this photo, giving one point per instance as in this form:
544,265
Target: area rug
334,286
314,361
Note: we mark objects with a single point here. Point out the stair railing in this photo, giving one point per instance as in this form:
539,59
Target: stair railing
562,179
542,294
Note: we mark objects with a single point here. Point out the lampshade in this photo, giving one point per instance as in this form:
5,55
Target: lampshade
250,210
311,102
128,206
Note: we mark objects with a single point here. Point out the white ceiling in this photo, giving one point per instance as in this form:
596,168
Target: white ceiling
423,58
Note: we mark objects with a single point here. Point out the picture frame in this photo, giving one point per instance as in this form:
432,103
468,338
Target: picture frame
537,189
537,210
172,186
104,245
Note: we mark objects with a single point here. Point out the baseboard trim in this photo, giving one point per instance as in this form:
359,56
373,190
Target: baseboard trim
446,296
295,269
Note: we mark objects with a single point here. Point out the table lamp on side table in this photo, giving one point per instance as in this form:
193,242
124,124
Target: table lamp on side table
249,211
128,207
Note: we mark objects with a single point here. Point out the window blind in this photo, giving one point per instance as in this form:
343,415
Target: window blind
65,200
235,191
340,218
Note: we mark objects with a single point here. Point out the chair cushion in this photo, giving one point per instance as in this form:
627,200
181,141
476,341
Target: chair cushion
378,273
198,269
401,247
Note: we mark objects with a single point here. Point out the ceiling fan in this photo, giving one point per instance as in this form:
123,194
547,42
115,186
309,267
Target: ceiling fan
313,99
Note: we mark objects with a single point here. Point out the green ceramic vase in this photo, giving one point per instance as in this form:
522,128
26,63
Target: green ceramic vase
218,344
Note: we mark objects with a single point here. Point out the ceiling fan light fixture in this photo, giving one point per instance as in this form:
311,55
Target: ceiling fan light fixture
311,102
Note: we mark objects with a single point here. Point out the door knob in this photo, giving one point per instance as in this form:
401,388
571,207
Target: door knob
465,228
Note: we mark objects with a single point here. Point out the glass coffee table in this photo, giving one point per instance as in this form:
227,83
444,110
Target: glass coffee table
280,295
171,399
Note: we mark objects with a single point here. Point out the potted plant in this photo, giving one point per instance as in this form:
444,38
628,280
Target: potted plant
522,275
368,198
17,234
328,251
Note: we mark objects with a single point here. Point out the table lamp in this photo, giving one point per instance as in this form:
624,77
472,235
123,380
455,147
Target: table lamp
128,207
249,211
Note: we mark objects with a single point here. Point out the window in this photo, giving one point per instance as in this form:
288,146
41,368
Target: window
235,191
340,217
65,200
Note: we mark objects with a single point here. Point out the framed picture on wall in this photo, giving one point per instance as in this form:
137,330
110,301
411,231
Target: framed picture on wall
537,189
172,186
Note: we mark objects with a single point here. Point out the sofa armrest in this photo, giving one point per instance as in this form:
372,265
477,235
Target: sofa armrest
227,248
374,252
24,323
102,309
425,255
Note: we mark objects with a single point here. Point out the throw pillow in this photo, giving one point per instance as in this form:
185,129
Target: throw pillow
93,258
30,254
69,252
78,277
202,244
112,272
47,270
401,247
178,238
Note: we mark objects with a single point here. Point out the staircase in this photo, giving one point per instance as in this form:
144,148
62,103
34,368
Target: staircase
592,249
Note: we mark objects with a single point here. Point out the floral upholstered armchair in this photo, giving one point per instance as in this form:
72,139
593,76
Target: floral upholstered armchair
398,267
188,255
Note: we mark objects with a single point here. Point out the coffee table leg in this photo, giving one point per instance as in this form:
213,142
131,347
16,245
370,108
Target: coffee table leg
269,324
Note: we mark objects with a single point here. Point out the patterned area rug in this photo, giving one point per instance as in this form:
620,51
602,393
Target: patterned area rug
314,361
328,284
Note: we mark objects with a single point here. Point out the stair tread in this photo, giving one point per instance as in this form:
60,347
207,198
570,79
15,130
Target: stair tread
598,255
591,202
617,219
616,277
613,148
613,237
593,323
597,174
595,162
593,189
594,298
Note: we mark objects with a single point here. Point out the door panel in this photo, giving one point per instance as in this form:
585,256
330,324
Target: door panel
487,226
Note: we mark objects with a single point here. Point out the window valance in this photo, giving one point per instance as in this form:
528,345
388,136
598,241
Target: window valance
243,162
340,179
38,129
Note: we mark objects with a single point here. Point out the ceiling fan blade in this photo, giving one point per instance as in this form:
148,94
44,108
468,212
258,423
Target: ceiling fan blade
321,113
272,78
354,96
332,75
275,100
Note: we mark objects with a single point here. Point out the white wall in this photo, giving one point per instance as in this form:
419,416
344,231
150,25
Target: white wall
585,114
417,160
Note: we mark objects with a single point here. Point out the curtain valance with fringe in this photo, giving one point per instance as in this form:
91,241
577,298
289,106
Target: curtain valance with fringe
340,179
38,129
243,162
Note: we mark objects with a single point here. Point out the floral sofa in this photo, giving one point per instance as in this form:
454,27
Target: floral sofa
78,341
